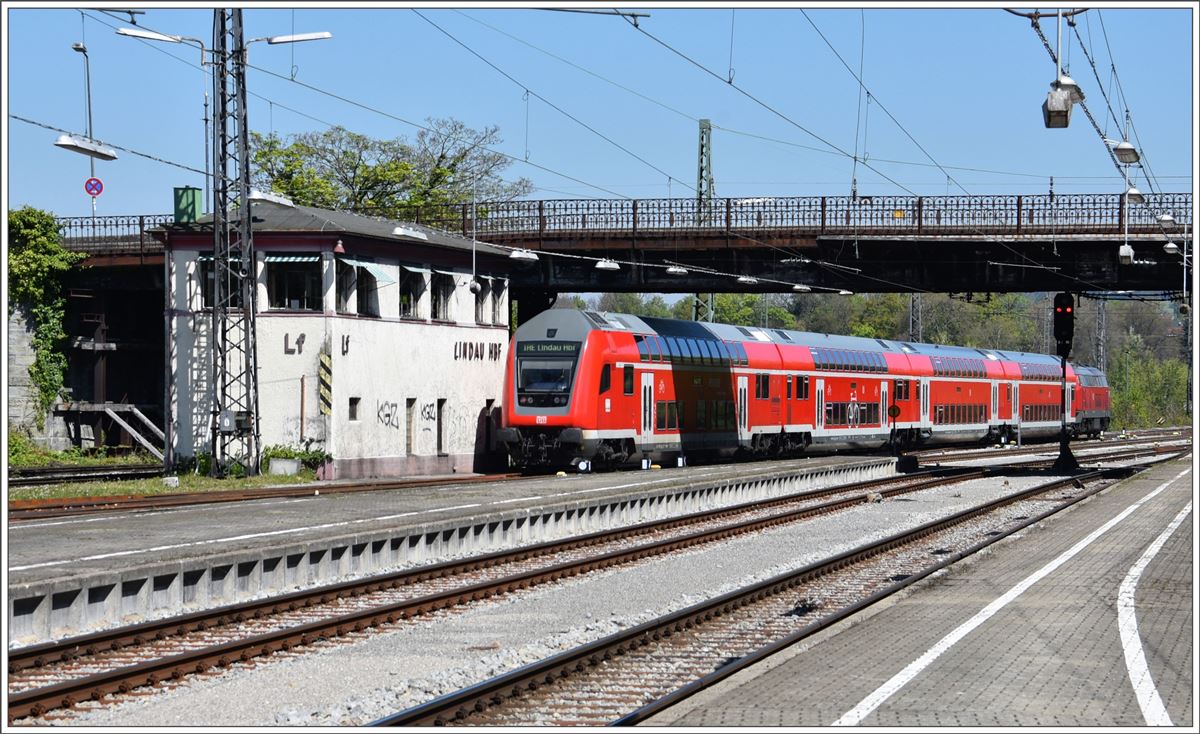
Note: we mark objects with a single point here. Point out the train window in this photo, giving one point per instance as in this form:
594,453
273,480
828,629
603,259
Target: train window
722,353
789,387
660,415
741,352
672,415
697,351
766,386
700,416
643,350
673,349
605,378
804,388
628,379
710,348
685,350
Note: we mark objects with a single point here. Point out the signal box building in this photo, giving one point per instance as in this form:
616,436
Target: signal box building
371,343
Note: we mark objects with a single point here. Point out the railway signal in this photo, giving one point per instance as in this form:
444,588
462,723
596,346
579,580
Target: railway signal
1064,323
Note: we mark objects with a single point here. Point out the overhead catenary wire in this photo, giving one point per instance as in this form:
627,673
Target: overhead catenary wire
369,108
724,128
524,86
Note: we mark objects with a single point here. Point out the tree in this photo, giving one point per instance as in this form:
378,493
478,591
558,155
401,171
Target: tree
37,263
448,164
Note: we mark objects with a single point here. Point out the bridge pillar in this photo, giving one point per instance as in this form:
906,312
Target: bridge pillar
531,302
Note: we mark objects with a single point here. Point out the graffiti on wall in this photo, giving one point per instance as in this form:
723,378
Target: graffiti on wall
389,414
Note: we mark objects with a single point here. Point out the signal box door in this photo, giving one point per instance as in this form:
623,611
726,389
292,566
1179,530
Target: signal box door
647,426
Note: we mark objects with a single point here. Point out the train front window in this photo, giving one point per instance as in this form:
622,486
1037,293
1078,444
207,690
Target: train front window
545,375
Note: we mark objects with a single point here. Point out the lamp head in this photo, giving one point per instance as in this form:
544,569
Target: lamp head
80,48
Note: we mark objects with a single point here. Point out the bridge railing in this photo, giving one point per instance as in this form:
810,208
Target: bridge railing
869,215
1039,214
113,235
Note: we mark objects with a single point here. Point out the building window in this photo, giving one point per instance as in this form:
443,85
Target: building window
353,411
367,293
482,315
441,289
411,287
204,281
499,312
345,286
294,282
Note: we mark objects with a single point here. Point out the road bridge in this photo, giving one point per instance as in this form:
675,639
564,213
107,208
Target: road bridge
1002,243
990,243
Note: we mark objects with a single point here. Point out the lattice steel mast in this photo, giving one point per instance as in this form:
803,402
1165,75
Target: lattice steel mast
704,305
235,432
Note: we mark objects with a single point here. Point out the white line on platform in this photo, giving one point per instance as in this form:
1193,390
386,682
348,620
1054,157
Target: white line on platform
854,716
1148,699
144,513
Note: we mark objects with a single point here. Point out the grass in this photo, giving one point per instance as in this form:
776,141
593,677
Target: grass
153,486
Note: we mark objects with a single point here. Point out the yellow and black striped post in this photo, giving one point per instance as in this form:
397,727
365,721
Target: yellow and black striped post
325,384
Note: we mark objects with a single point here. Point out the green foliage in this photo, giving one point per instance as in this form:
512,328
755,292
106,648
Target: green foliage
1147,391
37,262
339,169
23,452
309,457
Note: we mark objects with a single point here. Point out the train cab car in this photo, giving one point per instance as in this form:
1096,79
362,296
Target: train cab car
1093,405
591,390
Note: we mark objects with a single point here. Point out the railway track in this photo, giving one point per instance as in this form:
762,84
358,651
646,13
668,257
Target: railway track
65,507
90,667
936,456
93,667
627,677
34,476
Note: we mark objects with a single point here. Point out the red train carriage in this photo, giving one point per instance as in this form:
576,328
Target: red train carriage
585,388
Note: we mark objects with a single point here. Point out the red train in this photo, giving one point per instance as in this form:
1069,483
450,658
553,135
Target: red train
592,390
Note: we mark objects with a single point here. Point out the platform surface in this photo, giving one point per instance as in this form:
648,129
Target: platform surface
1051,654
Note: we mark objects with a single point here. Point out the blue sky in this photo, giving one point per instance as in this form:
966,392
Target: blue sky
967,84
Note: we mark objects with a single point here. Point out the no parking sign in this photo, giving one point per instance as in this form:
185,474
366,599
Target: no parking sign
94,187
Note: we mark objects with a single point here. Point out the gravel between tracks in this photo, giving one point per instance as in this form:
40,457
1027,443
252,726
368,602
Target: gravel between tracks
350,684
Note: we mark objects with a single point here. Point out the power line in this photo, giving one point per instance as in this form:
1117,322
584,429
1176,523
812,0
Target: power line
761,103
525,87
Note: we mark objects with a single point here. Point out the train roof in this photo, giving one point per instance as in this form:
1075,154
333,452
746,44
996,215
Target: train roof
579,322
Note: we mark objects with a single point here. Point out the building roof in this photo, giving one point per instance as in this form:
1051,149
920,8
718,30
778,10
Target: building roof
272,216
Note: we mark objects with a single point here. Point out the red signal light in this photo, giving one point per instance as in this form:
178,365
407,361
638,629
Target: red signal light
1068,309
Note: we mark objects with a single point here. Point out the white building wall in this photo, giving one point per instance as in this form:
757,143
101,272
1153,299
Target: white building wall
398,372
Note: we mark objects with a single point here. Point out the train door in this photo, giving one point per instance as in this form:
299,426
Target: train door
1070,401
1016,405
743,405
924,387
995,401
883,403
819,419
646,434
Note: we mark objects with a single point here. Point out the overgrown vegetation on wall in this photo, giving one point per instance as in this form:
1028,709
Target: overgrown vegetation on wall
37,262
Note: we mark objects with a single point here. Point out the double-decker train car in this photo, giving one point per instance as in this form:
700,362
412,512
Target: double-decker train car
1093,408
588,389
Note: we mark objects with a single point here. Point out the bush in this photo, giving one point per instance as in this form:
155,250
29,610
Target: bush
309,457
23,452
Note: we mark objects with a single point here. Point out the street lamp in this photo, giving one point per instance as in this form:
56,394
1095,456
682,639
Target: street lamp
146,35
88,145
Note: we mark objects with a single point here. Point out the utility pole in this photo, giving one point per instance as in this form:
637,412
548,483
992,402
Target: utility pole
915,325
704,305
235,430
1101,333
